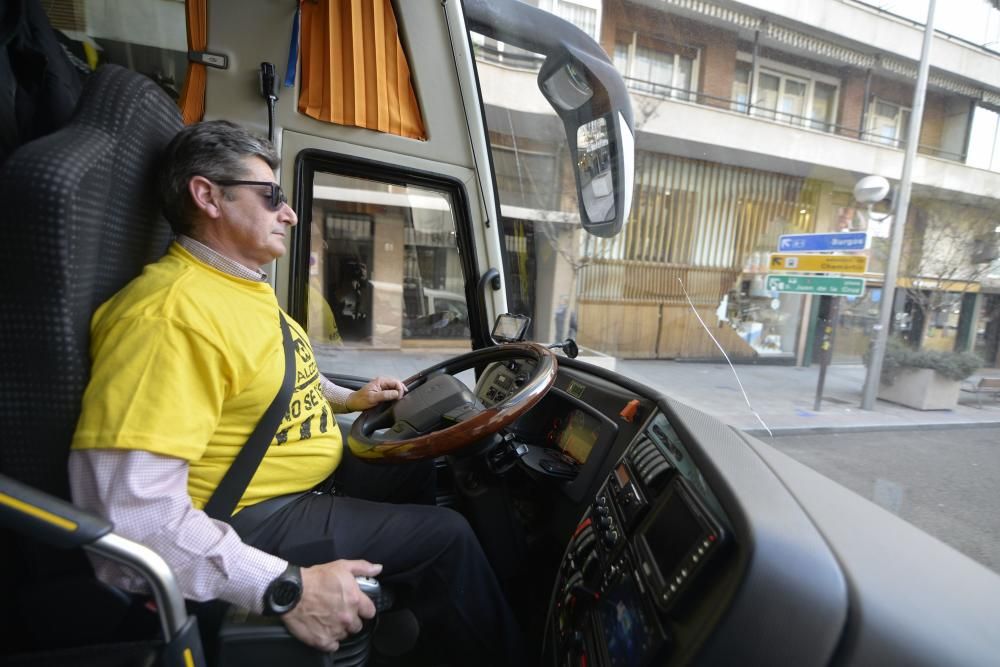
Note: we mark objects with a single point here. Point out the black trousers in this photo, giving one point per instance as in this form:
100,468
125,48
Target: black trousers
430,555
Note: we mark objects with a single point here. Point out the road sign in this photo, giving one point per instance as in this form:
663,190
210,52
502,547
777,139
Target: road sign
832,285
821,242
818,263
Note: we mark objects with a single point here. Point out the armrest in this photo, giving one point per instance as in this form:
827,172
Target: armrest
47,518
56,522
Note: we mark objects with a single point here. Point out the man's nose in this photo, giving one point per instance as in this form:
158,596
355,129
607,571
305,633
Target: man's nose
287,215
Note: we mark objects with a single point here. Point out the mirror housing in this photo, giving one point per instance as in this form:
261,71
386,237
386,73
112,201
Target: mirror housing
587,93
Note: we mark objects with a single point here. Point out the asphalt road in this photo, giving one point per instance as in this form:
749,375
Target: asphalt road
946,482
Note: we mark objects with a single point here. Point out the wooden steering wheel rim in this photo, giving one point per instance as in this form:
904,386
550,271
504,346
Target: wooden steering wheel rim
455,437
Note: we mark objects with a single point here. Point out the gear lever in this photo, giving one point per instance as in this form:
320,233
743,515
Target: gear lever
380,597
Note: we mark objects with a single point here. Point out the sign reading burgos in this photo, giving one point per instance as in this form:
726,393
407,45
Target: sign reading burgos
833,285
818,263
822,242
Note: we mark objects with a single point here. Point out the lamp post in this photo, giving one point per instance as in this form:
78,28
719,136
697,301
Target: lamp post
881,333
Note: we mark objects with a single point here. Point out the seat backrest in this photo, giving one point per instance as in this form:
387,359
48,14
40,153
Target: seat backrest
80,220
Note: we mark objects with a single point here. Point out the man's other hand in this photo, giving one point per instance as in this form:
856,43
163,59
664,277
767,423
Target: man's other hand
332,606
377,391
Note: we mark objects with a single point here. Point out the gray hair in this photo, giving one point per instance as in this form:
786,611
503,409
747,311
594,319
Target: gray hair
213,149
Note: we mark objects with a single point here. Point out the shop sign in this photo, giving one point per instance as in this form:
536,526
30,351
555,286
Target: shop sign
818,263
833,285
822,242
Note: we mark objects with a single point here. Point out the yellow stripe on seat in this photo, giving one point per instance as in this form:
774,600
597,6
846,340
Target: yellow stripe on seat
38,513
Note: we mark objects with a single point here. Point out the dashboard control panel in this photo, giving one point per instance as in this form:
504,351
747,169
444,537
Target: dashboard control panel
502,380
642,547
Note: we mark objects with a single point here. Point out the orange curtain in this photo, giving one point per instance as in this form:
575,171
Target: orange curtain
192,101
354,70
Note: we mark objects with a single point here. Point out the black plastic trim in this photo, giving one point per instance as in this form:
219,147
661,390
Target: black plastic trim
785,568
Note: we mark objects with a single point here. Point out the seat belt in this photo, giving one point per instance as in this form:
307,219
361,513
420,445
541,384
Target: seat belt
236,480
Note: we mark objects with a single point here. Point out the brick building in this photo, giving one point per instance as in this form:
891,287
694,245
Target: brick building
755,119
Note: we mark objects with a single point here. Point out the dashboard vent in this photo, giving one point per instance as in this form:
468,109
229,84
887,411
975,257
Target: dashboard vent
649,463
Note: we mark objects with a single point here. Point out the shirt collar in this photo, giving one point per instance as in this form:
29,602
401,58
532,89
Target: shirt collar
219,261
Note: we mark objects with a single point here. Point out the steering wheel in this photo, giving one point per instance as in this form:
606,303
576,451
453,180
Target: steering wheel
440,415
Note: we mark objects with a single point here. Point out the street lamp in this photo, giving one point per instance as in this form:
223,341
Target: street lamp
870,190
899,217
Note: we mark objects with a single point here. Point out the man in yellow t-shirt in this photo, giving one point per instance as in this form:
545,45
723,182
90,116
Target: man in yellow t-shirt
186,359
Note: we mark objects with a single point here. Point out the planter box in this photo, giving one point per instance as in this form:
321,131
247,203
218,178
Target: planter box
923,389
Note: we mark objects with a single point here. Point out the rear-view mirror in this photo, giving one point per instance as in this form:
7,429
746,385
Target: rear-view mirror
588,94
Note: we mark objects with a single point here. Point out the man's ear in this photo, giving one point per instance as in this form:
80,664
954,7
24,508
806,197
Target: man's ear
205,196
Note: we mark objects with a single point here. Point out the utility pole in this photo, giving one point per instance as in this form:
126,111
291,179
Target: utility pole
881,333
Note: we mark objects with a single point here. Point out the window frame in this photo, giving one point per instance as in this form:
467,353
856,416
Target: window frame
676,92
899,141
784,71
310,161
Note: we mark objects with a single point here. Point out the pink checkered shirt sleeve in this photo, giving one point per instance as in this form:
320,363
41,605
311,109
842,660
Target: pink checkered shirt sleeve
145,496
335,395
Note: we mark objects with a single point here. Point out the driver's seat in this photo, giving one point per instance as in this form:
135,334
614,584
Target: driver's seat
80,222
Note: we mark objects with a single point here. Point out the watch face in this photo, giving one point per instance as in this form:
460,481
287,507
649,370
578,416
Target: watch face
285,594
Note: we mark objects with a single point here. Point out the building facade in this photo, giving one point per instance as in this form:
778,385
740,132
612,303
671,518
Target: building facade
755,119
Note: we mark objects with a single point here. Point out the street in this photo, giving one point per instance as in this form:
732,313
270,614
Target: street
943,481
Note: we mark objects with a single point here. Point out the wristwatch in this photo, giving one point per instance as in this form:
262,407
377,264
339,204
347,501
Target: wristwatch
284,592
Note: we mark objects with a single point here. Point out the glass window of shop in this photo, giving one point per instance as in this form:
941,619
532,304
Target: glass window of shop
769,322
856,320
987,327
941,315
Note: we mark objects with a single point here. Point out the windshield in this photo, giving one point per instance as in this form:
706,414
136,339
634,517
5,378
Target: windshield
753,129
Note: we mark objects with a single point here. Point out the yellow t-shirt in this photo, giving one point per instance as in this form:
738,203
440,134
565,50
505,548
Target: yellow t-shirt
186,359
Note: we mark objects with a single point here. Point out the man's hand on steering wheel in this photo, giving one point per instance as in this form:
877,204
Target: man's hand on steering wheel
376,391
440,415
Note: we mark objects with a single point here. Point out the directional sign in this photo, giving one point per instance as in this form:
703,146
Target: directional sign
835,285
821,242
818,263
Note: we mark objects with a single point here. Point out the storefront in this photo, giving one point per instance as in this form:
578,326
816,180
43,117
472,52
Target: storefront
768,321
987,326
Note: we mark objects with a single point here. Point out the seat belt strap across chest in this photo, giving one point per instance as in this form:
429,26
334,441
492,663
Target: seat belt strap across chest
236,480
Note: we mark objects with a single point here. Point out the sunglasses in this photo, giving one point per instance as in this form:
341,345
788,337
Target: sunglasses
275,199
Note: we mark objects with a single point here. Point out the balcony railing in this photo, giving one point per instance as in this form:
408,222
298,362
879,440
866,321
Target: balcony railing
758,111
525,60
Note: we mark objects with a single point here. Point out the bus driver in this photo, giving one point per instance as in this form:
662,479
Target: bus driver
185,360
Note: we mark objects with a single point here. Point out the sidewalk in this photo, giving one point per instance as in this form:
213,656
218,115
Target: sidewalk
784,396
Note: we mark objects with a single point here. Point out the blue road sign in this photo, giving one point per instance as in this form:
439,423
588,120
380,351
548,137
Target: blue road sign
822,242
